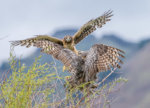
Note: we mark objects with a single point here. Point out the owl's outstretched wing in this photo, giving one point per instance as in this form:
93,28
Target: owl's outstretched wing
31,41
66,56
102,58
91,26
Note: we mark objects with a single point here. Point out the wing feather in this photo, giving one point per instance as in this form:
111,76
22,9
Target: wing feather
66,56
29,42
102,58
91,26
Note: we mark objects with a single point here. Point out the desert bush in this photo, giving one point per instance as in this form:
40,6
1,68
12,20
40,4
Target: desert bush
39,87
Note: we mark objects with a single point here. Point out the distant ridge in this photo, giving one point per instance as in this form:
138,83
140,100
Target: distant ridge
117,39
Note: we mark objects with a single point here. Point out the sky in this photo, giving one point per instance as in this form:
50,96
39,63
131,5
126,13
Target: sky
20,19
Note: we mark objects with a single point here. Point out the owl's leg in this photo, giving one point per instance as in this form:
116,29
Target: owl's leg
64,68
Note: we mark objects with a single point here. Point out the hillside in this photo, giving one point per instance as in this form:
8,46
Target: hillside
135,94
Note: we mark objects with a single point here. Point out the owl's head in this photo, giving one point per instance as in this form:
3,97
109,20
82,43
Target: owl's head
68,39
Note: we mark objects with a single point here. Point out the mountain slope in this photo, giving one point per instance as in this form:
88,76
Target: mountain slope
135,94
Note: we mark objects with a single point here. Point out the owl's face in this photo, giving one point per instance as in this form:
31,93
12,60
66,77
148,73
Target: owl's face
68,39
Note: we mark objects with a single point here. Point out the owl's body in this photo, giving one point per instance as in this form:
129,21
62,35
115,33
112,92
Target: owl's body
69,44
84,65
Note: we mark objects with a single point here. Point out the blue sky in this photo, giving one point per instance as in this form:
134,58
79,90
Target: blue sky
20,19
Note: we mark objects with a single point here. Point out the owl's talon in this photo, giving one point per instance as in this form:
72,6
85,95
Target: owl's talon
67,77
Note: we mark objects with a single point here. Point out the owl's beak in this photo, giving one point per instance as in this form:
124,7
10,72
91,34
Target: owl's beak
68,39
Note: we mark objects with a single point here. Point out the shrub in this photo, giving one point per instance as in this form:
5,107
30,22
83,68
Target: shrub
27,89
37,86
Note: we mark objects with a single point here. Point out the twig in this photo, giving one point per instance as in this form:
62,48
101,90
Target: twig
57,71
112,71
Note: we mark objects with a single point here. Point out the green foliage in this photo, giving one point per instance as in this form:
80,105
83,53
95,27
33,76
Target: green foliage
27,89
38,86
